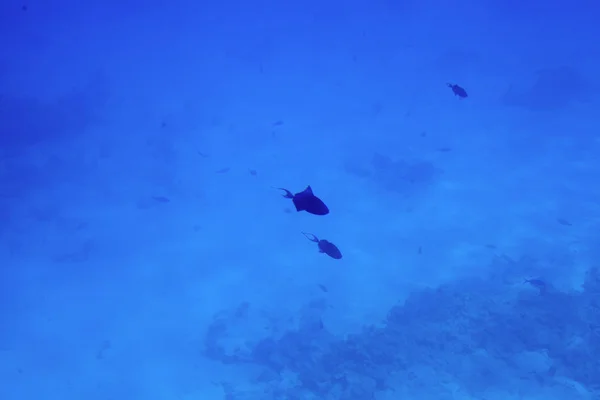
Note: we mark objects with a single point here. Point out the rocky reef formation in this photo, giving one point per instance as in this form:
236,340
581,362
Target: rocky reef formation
479,334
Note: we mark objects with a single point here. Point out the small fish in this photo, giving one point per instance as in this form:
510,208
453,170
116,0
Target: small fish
564,222
104,347
278,123
161,199
444,149
537,283
325,246
253,172
458,91
323,288
306,201
223,170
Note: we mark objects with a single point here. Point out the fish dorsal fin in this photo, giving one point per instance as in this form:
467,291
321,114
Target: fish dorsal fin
308,191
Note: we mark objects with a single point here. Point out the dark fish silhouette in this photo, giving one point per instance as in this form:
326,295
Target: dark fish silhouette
458,91
307,201
161,199
537,283
564,222
325,246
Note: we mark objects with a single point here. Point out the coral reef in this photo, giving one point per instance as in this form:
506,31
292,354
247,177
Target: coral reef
480,333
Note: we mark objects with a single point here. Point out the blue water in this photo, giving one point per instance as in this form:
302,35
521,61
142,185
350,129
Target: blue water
146,252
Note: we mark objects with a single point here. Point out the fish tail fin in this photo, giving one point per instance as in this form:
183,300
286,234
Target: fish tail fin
311,237
286,193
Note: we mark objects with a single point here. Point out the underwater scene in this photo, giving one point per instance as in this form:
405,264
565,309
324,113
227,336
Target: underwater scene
299,200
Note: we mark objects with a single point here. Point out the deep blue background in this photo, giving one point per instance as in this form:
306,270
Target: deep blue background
144,253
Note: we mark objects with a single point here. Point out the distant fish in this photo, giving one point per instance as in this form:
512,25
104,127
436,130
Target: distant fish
161,199
323,288
564,222
458,91
306,201
223,170
507,259
537,283
104,347
325,246
278,123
